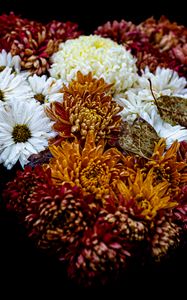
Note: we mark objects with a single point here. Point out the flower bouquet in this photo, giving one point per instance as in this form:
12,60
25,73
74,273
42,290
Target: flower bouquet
96,128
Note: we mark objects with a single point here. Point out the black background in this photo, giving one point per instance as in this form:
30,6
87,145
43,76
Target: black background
24,270
91,13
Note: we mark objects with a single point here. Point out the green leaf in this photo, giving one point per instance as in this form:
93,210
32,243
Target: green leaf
138,138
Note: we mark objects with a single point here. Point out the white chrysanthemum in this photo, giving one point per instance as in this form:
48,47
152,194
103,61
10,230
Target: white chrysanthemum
7,60
134,106
24,130
164,82
45,90
103,57
13,86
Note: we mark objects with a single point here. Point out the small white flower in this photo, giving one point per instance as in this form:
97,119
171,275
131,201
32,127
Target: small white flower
13,86
45,90
7,60
24,130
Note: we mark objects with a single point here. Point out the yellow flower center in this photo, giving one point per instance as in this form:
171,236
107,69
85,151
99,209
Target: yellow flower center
163,173
145,204
95,178
87,119
40,98
21,133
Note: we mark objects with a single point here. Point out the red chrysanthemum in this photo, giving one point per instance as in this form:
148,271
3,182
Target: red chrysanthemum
19,191
57,216
164,34
181,53
122,32
35,42
149,56
106,248
164,236
33,45
10,22
63,31
99,255
180,212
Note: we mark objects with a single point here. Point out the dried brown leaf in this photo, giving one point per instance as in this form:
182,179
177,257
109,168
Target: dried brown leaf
138,138
173,109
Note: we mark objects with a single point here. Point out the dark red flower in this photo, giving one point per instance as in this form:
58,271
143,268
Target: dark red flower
180,212
164,34
35,42
122,32
105,249
99,253
33,45
10,22
164,236
57,216
63,31
19,191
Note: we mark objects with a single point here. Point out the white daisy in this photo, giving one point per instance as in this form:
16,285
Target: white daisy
45,90
13,86
7,60
24,130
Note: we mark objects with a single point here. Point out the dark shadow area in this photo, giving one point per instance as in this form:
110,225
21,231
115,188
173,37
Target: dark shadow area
90,14
26,268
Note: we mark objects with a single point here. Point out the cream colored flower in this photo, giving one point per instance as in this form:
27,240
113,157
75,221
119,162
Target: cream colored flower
103,57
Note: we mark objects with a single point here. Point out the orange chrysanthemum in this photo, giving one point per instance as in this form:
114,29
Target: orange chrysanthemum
148,197
91,168
87,105
167,166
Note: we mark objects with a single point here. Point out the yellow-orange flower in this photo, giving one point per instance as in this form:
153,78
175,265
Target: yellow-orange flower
86,83
149,198
91,168
167,166
87,105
